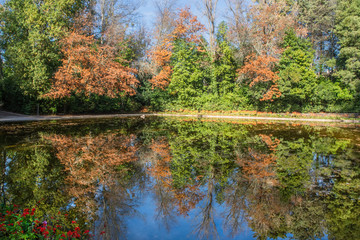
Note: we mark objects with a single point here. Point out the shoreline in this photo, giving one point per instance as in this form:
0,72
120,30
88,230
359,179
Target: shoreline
14,117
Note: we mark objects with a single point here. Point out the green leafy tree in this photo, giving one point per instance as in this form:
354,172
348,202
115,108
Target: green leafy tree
30,34
224,70
297,77
188,76
348,32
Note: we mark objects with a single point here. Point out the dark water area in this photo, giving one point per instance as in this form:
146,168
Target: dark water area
170,178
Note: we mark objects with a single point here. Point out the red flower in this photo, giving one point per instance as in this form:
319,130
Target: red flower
73,222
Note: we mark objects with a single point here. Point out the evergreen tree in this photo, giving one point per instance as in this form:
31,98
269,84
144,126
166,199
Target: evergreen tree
188,76
30,33
224,69
297,77
348,32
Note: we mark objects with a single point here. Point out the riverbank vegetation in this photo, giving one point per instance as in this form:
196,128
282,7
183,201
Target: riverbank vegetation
95,56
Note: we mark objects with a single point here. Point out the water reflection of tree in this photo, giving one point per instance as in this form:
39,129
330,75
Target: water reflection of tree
99,177
160,159
303,185
202,160
276,186
338,169
32,177
261,203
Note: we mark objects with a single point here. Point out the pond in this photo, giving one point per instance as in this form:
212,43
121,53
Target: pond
182,178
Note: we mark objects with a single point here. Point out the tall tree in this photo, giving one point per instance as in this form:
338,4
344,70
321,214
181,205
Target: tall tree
348,32
187,29
224,69
297,77
318,16
270,21
188,76
30,41
88,69
209,11
160,53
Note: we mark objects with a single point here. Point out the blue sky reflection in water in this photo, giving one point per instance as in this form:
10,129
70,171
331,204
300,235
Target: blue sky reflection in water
174,178
148,227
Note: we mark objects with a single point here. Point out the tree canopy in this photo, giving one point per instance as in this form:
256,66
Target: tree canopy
97,56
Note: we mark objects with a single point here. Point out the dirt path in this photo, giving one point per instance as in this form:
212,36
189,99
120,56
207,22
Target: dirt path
14,117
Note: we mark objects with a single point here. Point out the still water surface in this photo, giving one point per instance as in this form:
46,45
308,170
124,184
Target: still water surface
164,178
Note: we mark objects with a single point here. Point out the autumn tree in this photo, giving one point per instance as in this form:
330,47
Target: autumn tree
160,53
186,28
88,68
270,20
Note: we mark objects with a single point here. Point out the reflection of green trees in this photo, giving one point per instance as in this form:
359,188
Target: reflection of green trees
34,177
343,202
203,149
277,187
294,161
46,172
202,158
277,179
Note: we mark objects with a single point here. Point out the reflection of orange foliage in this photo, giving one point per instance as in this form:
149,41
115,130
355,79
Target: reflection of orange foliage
264,208
260,165
269,142
161,168
187,27
187,198
184,198
91,161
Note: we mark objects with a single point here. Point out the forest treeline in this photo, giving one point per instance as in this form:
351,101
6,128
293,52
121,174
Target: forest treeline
79,56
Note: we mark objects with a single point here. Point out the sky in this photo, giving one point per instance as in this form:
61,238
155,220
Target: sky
148,10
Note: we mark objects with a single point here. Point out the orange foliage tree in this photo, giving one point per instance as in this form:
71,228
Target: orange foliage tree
259,68
186,27
88,68
270,20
